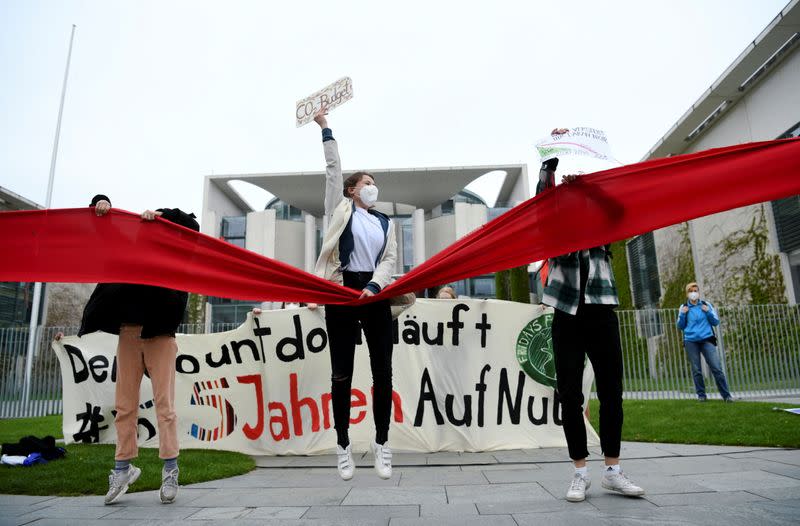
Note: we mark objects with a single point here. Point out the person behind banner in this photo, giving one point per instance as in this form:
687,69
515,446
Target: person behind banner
697,319
359,251
581,288
145,318
446,293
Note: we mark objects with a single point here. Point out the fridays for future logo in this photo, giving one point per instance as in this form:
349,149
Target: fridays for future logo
534,350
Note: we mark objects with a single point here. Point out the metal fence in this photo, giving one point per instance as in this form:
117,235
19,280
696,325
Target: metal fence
759,345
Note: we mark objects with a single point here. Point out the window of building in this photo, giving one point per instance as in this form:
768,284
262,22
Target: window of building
285,212
15,303
407,230
483,287
643,268
464,196
234,229
787,211
224,310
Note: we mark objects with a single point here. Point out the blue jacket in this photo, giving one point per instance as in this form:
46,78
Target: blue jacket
696,324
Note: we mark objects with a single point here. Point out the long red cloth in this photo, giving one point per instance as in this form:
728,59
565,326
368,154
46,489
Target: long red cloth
73,245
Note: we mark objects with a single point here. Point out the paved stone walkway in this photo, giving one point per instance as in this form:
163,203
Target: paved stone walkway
685,484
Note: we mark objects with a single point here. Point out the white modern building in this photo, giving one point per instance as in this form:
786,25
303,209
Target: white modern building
756,98
430,206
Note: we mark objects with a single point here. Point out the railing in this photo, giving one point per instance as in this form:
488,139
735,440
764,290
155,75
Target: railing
759,346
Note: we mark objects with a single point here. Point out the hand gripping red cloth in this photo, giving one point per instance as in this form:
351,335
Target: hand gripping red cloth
73,245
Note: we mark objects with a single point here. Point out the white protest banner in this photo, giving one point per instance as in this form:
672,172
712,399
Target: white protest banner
469,375
581,142
329,97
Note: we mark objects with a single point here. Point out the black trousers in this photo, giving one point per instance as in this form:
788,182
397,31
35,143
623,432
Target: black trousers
344,325
592,332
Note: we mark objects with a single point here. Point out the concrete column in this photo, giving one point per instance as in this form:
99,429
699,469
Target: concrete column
311,242
419,236
260,234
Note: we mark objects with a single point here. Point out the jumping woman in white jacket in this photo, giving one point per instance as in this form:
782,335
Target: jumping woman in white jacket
359,251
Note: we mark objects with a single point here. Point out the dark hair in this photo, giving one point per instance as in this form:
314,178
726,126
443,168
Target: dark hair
353,180
99,197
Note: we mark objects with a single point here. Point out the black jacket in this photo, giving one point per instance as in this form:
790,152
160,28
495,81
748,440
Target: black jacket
157,309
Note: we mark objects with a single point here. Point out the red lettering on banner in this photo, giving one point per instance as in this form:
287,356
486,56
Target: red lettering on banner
297,419
398,407
282,420
278,415
325,402
357,399
251,432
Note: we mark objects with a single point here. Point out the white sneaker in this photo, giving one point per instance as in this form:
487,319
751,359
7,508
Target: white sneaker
383,460
119,481
346,465
621,484
169,485
577,488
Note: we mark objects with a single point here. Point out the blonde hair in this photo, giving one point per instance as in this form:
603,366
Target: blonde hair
448,290
690,285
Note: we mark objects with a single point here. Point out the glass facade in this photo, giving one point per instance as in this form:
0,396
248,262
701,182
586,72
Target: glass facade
15,303
464,196
407,235
786,213
234,230
284,212
643,268
223,310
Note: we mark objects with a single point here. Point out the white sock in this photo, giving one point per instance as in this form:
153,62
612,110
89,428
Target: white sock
584,471
613,470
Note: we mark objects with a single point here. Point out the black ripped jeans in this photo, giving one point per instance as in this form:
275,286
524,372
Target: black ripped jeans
592,332
344,325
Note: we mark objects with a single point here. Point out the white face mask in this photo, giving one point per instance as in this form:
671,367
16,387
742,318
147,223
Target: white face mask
694,296
369,194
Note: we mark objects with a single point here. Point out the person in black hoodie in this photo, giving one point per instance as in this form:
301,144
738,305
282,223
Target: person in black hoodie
145,318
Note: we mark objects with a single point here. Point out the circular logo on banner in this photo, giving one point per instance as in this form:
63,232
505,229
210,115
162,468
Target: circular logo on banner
535,350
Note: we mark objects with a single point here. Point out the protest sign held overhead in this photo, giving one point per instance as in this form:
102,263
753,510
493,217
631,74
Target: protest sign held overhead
328,97
580,142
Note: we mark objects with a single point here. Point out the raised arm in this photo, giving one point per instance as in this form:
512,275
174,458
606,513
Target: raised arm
547,173
333,167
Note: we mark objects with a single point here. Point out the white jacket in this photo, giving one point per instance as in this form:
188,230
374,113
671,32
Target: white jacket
339,211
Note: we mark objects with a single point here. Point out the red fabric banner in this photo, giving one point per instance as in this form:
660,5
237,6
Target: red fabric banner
73,245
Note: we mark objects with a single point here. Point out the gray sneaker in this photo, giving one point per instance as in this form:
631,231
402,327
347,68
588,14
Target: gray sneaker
577,488
621,484
169,485
119,481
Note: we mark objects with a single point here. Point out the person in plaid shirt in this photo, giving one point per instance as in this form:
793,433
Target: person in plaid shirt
581,288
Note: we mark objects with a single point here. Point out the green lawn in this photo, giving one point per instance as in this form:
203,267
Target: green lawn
712,422
84,471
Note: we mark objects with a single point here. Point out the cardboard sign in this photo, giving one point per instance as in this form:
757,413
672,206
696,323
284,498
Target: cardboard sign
578,142
329,97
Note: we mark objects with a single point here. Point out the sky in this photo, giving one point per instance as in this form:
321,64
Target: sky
164,93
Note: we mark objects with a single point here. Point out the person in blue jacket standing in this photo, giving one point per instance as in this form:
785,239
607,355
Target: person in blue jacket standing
697,318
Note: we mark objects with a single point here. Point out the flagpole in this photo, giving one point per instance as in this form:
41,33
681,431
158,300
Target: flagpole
37,287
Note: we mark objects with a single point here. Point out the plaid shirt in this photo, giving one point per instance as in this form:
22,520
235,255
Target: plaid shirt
564,272
564,281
